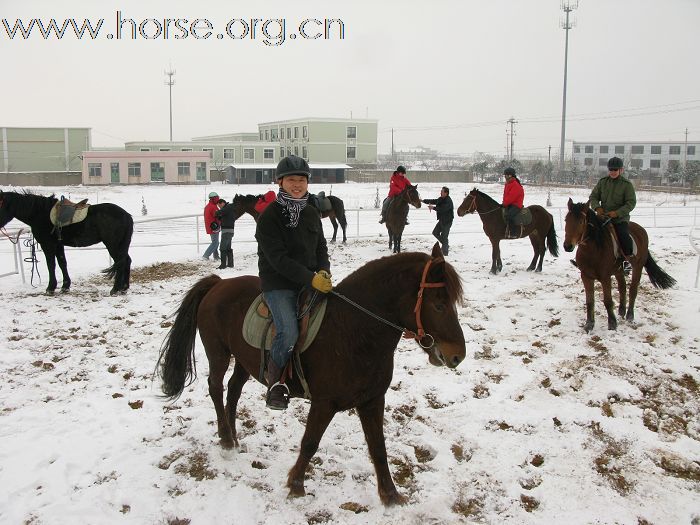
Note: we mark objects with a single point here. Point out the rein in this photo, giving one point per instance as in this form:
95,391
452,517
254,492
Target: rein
16,239
472,208
407,334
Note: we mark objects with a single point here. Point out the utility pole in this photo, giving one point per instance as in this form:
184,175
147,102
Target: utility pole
170,83
567,6
511,121
392,146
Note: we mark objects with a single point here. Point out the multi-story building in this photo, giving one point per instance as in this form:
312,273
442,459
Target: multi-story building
652,157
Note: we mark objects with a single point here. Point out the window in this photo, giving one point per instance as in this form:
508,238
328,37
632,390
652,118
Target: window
228,154
95,169
656,150
350,153
186,149
134,169
637,150
201,171
183,169
588,149
210,150
655,163
305,132
603,162
351,132
267,134
637,163
145,149
674,150
157,172
289,150
604,149
289,133
163,149
281,152
619,150
282,133
268,153
273,134
261,134
296,132
248,154
577,149
691,150
304,152
588,161
296,150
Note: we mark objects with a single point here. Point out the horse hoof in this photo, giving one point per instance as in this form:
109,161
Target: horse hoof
65,290
588,326
296,490
530,268
630,317
393,499
50,292
612,325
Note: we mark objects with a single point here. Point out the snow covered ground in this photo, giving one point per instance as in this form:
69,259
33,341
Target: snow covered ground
540,424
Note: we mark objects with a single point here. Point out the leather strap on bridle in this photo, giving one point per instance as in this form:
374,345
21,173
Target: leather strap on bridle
419,302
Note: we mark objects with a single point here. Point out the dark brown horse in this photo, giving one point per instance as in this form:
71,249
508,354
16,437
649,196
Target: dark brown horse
246,204
490,212
397,213
106,223
595,258
349,364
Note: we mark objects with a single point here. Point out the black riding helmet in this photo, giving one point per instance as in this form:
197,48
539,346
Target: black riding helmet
615,163
293,165
401,169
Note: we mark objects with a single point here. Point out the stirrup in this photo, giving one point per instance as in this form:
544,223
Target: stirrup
280,401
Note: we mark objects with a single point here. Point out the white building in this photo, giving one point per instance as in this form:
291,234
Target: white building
657,157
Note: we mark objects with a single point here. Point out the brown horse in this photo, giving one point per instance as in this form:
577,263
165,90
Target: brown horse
397,213
246,204
596,259
490,212
349,364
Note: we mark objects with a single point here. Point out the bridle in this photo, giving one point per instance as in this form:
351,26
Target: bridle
420,334
584,236
472,207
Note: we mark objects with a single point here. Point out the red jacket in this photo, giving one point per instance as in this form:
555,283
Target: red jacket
209,210
264,201
513,193
397,183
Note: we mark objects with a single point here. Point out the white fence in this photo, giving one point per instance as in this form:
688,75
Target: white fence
171,234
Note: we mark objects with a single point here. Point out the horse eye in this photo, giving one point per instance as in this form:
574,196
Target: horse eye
439,307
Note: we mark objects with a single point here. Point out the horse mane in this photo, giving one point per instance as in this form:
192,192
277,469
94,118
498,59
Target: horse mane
594,225
390,273
248,197
487,197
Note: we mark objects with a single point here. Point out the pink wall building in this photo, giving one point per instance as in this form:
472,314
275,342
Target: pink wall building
145,167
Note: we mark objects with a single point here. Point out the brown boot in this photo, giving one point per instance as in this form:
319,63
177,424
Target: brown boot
277,393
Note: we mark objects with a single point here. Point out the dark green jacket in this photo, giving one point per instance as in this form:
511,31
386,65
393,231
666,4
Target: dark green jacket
614,195
289,257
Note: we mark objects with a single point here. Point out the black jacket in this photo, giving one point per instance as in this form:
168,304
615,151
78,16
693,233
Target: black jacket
289,257
444,208
225,215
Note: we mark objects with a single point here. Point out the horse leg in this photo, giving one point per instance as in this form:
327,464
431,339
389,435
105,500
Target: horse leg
372,419
335,227
320,415
63,265
496,264
50,254
589,286
218,365
235,387
634,284
535,247
622,291
344,226
606,283
397,243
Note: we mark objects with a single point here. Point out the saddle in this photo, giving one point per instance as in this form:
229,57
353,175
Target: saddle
66,212
523,218
324,203
617,252
259,331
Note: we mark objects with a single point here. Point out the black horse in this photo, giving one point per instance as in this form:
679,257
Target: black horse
106,223
246,204
397,213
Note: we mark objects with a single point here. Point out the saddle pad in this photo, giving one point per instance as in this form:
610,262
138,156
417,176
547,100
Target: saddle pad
79,215
616,247
524,217
255,324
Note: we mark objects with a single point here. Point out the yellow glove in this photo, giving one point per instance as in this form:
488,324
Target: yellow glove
612,214
322,282
599,212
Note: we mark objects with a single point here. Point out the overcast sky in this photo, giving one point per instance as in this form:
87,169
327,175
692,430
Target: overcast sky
445,74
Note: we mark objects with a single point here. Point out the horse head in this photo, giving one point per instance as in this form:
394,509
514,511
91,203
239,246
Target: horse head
5,215
468,204
245,204
438,328
411,195
575,224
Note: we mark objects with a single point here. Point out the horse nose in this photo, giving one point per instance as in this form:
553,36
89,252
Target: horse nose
568,247
456,360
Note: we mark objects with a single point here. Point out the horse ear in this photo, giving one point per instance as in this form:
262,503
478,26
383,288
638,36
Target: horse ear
570,204
437,252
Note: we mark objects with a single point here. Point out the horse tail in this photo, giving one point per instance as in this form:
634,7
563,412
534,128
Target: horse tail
123,248
339,209
657,276
552,244
176,364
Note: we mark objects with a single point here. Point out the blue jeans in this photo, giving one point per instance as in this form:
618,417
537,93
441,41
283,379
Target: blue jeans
213,246
283,305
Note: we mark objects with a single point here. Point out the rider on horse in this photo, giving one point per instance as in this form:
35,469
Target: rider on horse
397,184
292,253
614,197
513,196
